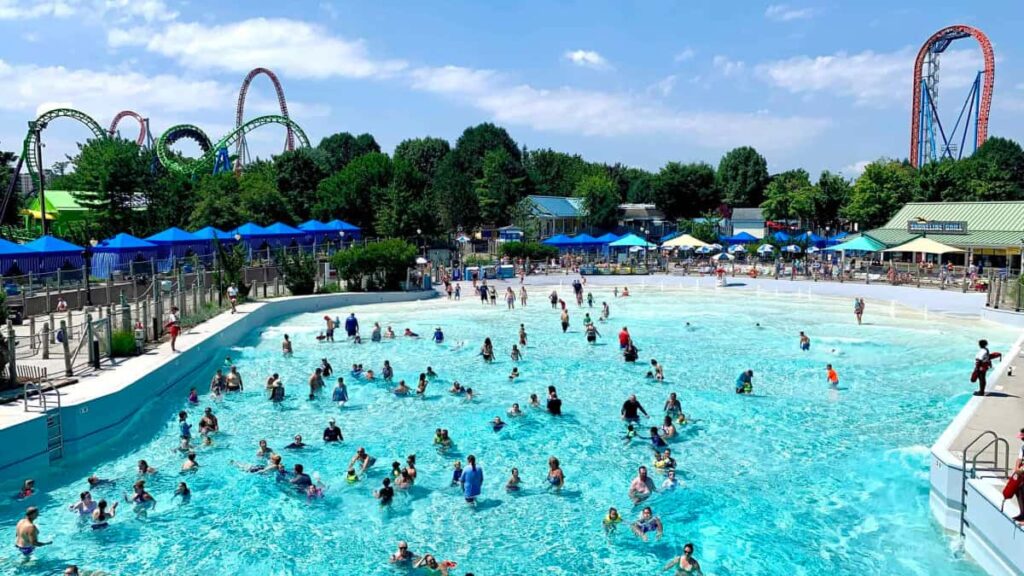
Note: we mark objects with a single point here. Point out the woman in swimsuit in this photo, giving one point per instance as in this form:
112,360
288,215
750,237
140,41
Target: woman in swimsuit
100,516
516,354
85,504
144,468
555,475
685,563
668,429
387,372
647,522
141,497
673,407
522,335
487,350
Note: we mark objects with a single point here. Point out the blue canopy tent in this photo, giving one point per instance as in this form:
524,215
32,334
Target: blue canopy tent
584,242
352,232
781,237
281,234
55,254
833,240
631,241
859,244
607,238
174,244
741,238
16,259
254,236
561,241
811,239
669,236
120,253
318,232
209,234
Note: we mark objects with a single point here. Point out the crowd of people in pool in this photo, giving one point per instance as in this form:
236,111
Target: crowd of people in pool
467,478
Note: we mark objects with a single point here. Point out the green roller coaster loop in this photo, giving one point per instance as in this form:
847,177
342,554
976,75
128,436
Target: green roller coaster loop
30,149
173,162
206,161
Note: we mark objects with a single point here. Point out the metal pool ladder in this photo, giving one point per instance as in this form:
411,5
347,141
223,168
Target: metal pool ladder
47,401
982,466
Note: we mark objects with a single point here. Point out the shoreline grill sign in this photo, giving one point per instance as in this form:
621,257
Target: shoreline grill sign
937,226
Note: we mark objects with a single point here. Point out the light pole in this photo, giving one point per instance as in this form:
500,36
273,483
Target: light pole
88,270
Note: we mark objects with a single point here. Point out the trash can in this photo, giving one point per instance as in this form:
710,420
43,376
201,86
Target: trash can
16,312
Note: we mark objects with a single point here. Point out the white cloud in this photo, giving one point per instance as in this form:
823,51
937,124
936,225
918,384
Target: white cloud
587,59
596,113
869,78
664,86
118,37
148,10
726,65
30,37
16,10
290,47
686,54
786,13
856,169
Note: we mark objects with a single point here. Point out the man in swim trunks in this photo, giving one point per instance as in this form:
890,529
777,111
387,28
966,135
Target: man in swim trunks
26,534
631,409
647,522
403,555
641,487
316,382
805,341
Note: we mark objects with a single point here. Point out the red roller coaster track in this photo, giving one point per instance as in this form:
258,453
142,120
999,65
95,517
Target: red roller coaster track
946,35
240,110
141,139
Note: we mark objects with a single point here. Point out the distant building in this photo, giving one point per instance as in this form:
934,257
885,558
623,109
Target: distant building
553,215
749,220
510,234
644,219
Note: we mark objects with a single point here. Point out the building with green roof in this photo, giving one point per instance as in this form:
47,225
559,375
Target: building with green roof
994,230
62,210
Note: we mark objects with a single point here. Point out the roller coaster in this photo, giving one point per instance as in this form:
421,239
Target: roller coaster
214,157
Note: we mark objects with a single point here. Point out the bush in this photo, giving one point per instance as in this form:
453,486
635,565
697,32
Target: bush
122,343
383,264
299,271
531,250
331,288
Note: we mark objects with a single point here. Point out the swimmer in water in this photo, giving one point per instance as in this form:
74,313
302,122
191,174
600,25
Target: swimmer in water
85,504
28,488
144,468
685,564
487,351
363,459
389,334
456,388
556,478
611,520
26,533
514,373
514,410
665,461
745,382
659,370
630,434
648,522
522,335
534,401
387,372
513,481
469,394
421,386
805,342
592,333
497,424
410,334
190,464
193,396
832,376
351,477
401,389
668,429
340,394
286,346
641,487
101,517
516,354
456,473
671,482
605,312
430,373
183,492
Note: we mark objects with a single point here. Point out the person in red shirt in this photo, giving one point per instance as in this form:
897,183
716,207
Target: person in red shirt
623,337
833,378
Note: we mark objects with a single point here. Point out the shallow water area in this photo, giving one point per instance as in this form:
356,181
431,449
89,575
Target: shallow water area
796,479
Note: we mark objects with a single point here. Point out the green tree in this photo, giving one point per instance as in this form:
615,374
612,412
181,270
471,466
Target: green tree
455,196
299,173
382,264
833,194
7,160
685,190
354,193
600,200
110,174
790,195
499,187
339,149
554,173
406,205
261,201
299,270
218,203
476,141
1006,172
742,177
883,188
169,202
641,189
944,181
423,154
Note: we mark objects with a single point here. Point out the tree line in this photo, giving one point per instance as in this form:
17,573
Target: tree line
434,187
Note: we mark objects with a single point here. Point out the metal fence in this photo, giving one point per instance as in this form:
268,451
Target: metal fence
1007,293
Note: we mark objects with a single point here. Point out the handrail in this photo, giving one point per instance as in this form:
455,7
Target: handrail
995,441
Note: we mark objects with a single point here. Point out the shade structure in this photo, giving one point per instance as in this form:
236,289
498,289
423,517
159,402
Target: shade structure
55,254
924,246
317,231
178,243
281,234
608,238
859,244
741,238
766,249
17,259
584,241
119,253
669,236
705,249
813,250
723,256
781,237
792,249
560,241
684,241
210,234
250,230
737,248
352,232
629,241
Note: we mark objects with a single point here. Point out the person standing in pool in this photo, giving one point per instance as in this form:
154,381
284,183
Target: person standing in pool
685,563
387,372
522,295
487,351
631,409
517,355
554,404
556,478
831,376
647,522
510,298
554,299
330,328
364,460
340,394
234,380
641,487
26,533
316,383
592,333
402,556
624,338
351,325
745,382
659,370
438,337
522,335
472,480
286,346
858,309
565,319
805,342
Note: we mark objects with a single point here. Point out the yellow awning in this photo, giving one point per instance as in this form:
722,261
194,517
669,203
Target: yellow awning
924,246
38,215
684,241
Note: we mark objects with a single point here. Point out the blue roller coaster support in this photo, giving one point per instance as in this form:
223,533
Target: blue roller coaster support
223,162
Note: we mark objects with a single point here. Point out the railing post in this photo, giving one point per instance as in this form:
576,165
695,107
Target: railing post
52,333
70,323
12,368
46,341
46,301
110,341
67,349
32,332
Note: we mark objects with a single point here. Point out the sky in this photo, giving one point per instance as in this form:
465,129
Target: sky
820,85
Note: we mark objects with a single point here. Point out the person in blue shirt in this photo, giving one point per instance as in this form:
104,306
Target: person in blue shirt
438,336
186,428
745,383
351,325
472,480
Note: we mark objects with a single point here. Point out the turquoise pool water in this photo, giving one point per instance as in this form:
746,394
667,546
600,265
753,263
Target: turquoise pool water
796,480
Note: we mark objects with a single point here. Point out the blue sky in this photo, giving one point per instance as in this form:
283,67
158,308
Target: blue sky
820,85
